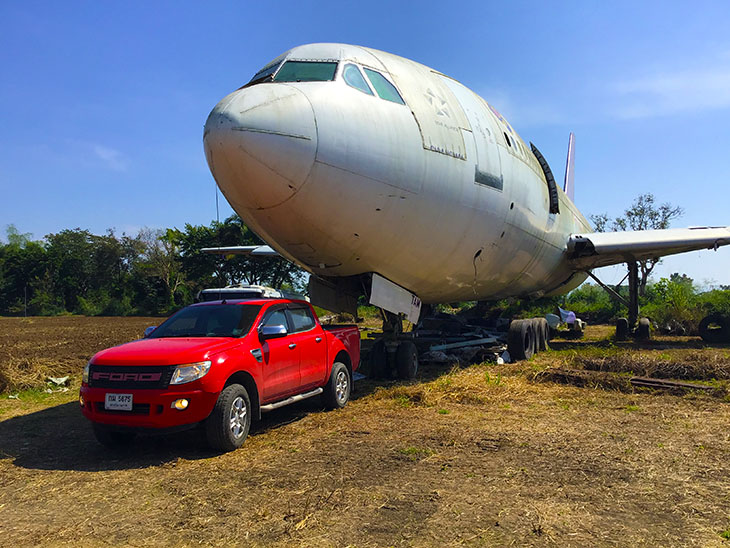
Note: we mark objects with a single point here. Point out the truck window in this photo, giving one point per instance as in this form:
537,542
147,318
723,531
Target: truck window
301,319
278,317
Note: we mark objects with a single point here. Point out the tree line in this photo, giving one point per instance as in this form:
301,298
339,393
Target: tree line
153,272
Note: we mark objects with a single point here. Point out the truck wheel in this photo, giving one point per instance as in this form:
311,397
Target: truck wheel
113,439
520,340
406,360
337,392
227,425
378,359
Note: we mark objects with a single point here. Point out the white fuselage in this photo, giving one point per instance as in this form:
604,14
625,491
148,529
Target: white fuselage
343,182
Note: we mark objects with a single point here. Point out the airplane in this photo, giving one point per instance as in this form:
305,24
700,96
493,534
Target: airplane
381,176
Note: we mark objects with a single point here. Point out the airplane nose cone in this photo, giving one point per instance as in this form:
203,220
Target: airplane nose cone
260,143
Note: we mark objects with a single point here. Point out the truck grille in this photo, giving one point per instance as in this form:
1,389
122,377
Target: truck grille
133,378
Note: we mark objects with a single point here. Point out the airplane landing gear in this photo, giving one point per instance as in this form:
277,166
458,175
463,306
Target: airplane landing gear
628,326
395,354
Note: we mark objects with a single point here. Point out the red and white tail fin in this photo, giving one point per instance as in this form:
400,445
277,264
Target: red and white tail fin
568,187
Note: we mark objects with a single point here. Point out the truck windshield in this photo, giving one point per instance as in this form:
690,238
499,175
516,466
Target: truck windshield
215,320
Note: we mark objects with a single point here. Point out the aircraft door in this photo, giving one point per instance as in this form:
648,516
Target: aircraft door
488,170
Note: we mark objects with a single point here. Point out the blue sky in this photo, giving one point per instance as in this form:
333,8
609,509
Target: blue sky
102,104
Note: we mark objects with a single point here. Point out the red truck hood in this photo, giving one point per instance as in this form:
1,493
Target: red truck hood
164,351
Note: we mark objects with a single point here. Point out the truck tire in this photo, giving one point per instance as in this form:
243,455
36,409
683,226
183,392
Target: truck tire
622,329
406,360
228,424
337,392
378,359
520,340
113,439
718,334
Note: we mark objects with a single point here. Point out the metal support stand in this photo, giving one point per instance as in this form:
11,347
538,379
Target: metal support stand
633,303
633,294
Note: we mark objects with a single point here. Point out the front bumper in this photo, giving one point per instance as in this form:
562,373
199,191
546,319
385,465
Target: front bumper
151,408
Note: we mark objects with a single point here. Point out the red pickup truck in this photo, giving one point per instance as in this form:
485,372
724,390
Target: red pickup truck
221,364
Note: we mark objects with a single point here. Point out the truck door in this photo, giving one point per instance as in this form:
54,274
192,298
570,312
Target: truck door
280,366
312,344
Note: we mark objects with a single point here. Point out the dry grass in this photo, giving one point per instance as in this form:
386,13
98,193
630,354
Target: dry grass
479,456
32,349
25,373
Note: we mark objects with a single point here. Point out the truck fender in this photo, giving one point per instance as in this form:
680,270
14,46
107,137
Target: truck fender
344,357
246,380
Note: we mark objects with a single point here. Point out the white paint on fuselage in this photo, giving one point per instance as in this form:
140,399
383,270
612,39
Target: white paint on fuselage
343,183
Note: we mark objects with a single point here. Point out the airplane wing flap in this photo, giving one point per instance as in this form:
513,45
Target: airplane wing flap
593,250
253,250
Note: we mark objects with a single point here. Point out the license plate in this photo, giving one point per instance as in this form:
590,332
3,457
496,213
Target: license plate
118,402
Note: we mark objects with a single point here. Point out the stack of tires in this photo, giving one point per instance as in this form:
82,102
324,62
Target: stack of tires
527,337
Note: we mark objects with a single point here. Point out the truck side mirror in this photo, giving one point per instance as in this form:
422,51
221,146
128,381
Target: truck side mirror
273,332
149,330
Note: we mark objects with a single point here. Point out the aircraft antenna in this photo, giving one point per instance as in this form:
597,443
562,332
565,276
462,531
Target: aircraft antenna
217,211
568,186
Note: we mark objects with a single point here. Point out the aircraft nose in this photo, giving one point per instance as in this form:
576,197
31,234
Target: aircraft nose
260,143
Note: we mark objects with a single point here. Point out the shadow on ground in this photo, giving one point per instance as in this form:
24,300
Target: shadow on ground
657,344
61,438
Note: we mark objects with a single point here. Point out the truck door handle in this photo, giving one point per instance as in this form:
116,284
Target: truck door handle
292,345
318,339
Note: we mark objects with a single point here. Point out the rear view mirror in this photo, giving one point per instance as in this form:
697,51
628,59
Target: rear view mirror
273,332
149,330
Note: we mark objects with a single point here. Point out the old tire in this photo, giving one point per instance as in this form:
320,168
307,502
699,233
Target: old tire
337,392
228,424
542,333
546,330
406,360
521,340
113,439
622,329
378,360
643,331
717,334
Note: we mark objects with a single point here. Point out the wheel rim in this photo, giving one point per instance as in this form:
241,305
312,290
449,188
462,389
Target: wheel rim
341,386
238,417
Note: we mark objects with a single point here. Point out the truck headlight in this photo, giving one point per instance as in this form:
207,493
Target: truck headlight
85,376
190,372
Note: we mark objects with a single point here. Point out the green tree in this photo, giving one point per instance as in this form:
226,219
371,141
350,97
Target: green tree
208,270
643,214
161,259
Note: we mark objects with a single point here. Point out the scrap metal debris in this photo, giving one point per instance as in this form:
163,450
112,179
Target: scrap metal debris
451,339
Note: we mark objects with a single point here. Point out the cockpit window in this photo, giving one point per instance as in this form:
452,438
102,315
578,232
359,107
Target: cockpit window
354,78
384,89
306,71
266,72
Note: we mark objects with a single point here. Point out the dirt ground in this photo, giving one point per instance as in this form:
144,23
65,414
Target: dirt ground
475,456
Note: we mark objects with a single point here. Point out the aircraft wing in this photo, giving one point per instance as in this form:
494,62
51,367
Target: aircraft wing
254,250
596,249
